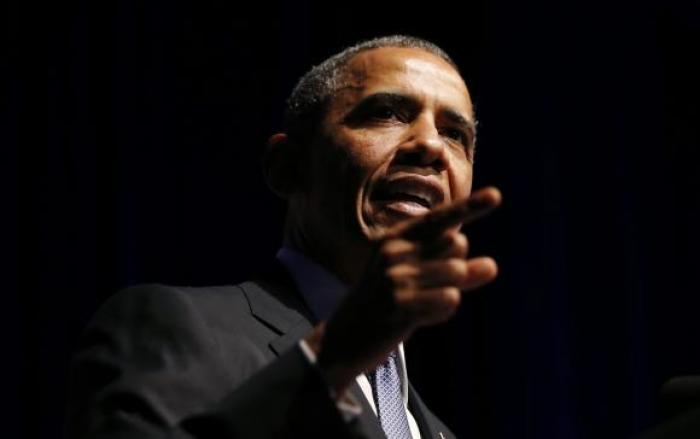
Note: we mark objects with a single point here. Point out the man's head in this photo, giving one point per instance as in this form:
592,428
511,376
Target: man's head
309,99
378,133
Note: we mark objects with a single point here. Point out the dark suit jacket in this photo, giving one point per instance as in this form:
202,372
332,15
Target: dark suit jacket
213,362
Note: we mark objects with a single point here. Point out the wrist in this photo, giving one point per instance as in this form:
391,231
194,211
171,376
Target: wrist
336,376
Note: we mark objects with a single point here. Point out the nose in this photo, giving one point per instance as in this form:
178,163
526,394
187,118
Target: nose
423,147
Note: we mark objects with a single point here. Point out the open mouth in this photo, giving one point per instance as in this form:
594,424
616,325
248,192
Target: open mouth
408,195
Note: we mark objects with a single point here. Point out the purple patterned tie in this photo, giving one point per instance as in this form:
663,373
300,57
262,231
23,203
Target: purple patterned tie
386,386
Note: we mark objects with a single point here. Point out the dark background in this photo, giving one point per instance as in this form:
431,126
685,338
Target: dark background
133,139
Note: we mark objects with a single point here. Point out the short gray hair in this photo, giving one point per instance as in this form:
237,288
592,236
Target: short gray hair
307,103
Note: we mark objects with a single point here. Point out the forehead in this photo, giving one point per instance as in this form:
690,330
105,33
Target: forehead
409,71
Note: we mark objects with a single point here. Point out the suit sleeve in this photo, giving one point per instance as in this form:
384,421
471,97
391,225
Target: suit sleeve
150,367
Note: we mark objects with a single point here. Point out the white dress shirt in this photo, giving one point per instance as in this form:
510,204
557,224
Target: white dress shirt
322,292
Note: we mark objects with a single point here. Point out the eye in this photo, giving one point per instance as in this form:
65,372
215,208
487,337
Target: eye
384,113
456,135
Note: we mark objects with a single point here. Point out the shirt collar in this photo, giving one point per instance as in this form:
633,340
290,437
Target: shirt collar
321,290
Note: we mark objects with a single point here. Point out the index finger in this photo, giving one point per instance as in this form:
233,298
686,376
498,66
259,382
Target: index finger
465,211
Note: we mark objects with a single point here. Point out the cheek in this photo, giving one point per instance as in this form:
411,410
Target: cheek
365,152
342,171
461,181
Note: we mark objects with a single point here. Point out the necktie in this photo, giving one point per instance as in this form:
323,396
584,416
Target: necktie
386,386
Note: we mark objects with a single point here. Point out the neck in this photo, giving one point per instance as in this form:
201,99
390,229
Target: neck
346,260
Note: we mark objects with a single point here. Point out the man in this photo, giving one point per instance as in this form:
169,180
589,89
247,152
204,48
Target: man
376,166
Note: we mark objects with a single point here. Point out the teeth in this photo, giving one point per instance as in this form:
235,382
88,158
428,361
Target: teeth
424,197
410,189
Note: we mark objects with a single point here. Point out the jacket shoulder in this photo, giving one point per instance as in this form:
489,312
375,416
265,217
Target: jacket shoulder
163,304
160,353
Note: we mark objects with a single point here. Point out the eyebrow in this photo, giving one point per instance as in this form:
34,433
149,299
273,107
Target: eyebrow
391,99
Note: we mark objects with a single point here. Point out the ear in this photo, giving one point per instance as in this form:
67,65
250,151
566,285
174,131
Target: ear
280,165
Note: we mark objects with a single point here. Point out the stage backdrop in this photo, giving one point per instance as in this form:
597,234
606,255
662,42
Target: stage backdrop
135,130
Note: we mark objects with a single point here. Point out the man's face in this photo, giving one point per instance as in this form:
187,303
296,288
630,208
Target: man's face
397,140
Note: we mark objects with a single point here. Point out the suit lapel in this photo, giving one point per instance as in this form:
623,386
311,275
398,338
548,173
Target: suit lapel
280,307
275,300
368,420
426,420
295,333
